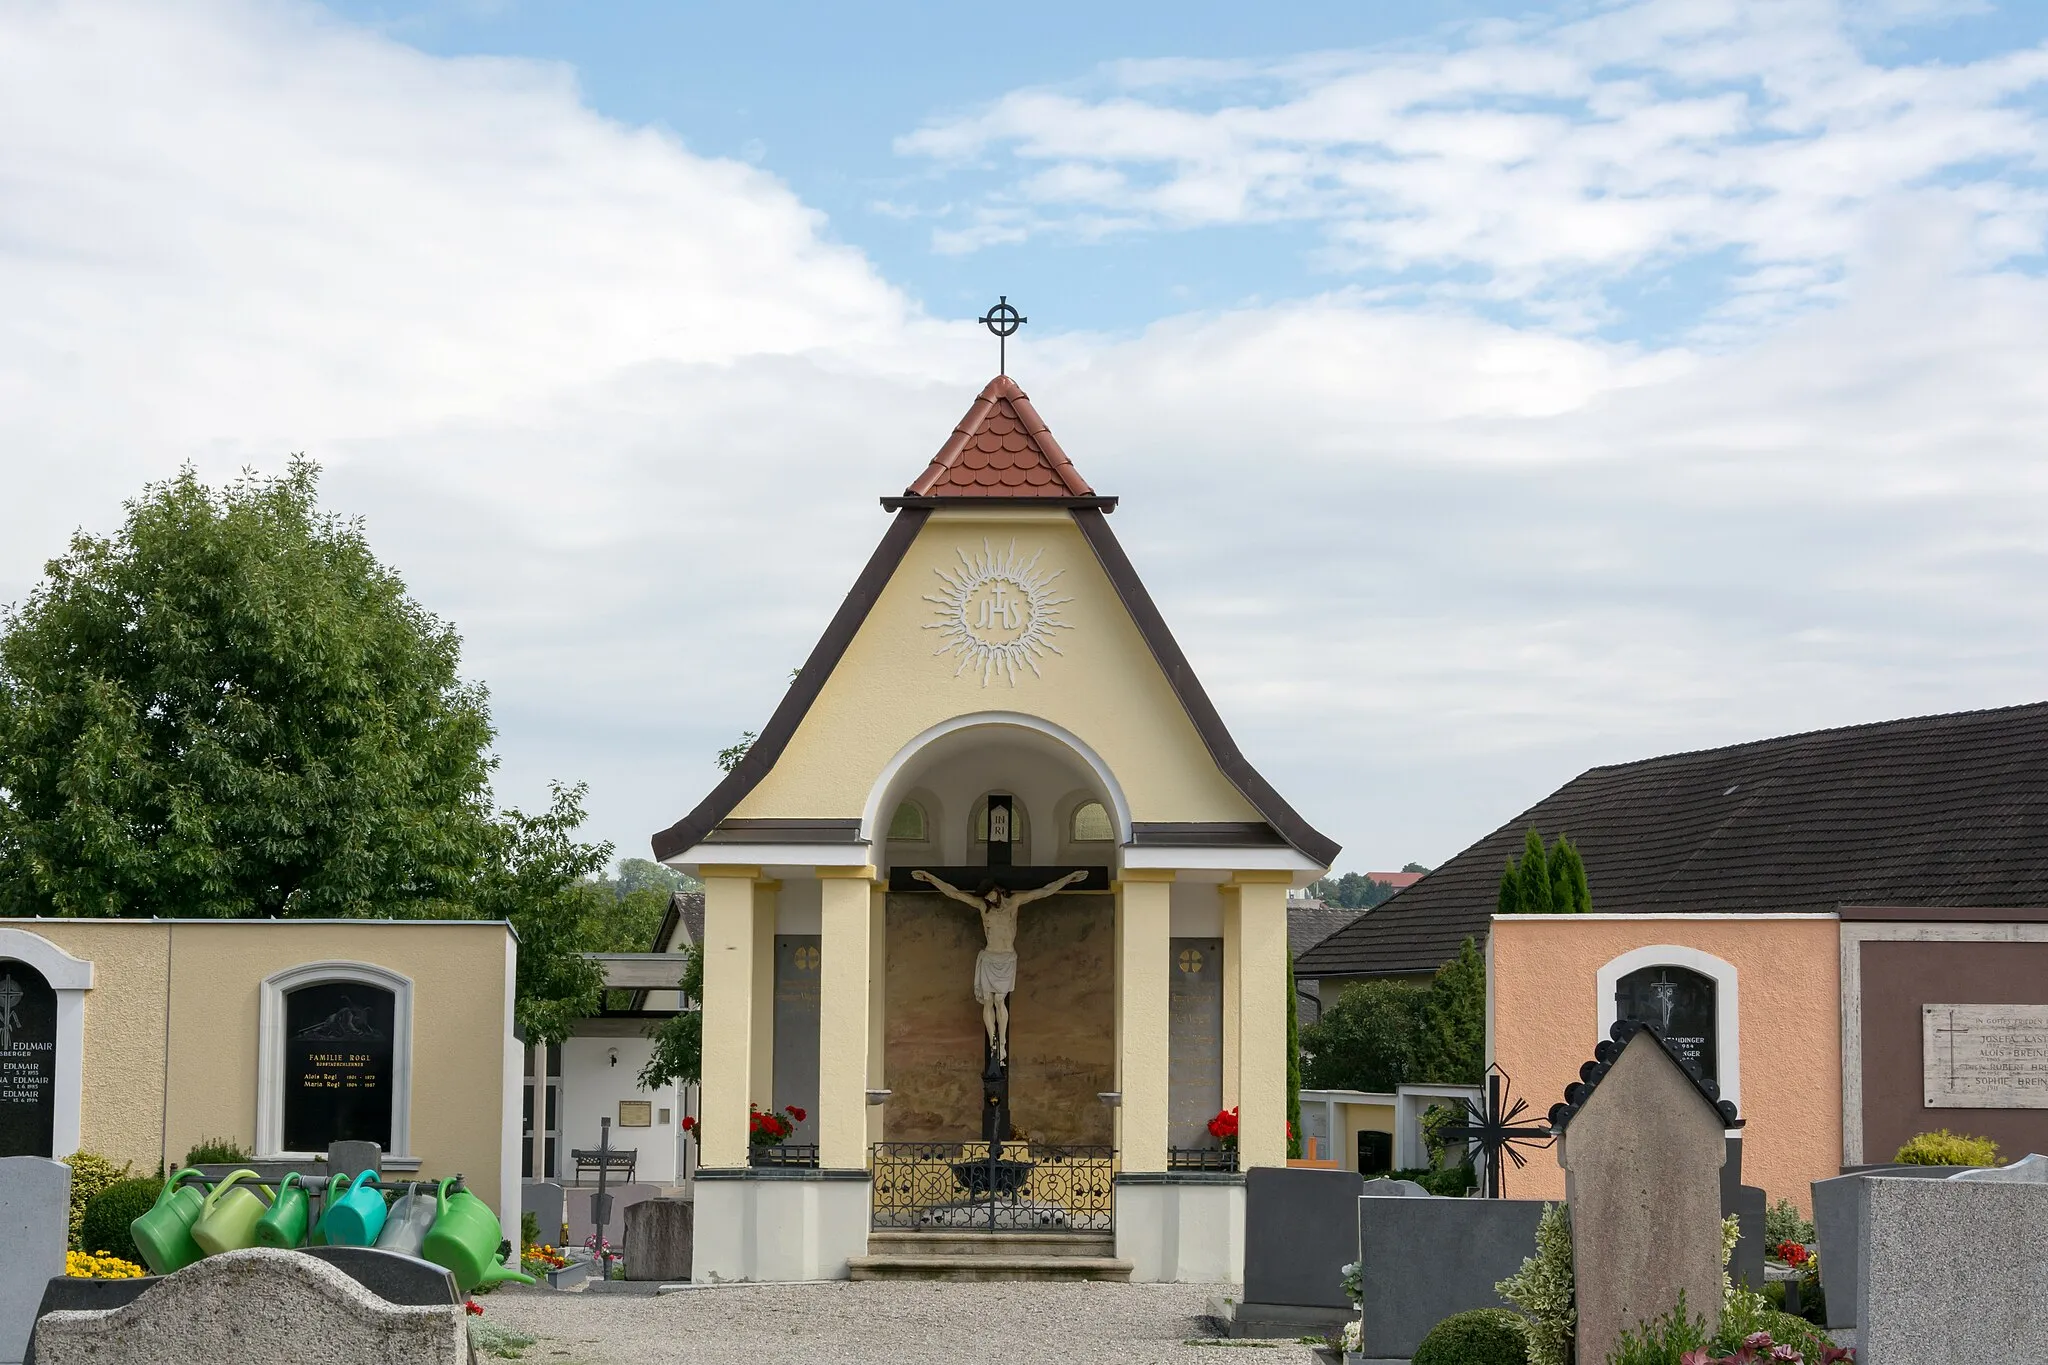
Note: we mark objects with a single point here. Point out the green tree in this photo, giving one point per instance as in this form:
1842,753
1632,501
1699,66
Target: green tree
641,874
230,708
1545,881
1352,891
1293,1064
1452,1047
1414,867
539,880
679,1040
1367,1039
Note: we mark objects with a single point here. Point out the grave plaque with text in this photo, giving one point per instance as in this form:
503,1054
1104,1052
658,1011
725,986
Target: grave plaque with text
338,1065
1984,1056
1680,1004
797,981
1194,1042
28,1061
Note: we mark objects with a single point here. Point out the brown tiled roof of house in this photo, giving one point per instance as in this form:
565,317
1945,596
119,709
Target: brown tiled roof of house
1934,811
1001,449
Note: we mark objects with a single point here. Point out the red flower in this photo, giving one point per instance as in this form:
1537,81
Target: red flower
796,1113
473,1308
689,1123
1224,1125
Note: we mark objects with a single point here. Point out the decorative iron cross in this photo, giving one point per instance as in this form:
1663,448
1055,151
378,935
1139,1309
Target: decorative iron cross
1495,1128
1003,320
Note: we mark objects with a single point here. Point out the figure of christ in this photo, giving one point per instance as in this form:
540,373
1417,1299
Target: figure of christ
995,966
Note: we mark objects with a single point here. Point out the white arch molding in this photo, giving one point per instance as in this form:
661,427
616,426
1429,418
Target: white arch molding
70,977
1727,1003
270,1050
874,818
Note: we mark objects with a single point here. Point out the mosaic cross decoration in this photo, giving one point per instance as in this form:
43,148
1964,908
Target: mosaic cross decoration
1498,1130
1003,320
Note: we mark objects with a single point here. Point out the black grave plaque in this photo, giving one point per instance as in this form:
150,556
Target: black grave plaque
338,1073
1680,1003
28,1061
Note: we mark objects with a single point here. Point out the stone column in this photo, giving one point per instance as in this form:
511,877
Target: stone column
728,1005
878,997
1255,938
1144,926
846,922
761,1076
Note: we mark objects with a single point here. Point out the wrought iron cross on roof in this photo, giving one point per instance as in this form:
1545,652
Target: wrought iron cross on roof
1497,1129
1003,320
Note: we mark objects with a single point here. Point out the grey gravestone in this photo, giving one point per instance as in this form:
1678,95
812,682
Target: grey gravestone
2028,1170
339,1067
390,1276
623,1198
1425,1259
1194,1039
1389,1188
1955,1272
28,1061
1746,1202
1642,1152
796,1030
352,1158
658,1240
1300,1231
1838,1228
35,1223
544,1199
256,1308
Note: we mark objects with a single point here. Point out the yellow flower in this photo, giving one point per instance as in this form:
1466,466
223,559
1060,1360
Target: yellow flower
99,1265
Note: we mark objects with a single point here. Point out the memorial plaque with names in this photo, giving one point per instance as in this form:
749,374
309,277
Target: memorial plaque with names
1680,1003
1194,1042
1984,1056
28,1061
796,1030
338,1065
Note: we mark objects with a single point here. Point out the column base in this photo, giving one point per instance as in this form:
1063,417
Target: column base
1184,1227
767,1225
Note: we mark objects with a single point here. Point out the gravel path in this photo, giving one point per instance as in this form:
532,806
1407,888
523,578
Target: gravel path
901,1323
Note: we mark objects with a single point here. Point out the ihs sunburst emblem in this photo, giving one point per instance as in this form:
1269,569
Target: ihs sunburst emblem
997,613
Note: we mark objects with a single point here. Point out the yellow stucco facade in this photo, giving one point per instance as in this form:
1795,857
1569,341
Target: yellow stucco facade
173,1023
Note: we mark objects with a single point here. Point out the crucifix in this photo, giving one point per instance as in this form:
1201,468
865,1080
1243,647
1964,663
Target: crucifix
995,966
1497,1129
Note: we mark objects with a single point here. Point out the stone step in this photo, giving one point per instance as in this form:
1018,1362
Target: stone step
1099,1245
982,1266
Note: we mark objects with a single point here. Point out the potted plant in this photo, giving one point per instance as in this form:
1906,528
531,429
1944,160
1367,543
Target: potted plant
772,1127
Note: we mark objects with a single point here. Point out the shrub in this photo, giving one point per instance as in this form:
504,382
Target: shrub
1452,1182
1943,1148
1484,1336
89,1175
214,1151
104,1229
1665,1340
1543,1290
1782,1223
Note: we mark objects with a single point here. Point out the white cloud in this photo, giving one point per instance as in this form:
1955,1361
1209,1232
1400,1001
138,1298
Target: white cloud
1554,156
620,412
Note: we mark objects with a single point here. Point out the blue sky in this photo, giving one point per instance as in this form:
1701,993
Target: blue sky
1490,397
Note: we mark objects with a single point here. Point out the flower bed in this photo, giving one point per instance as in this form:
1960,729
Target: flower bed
91,1265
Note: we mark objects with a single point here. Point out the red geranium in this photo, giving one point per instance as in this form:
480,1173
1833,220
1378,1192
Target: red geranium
1224,1126
771,1127
1791,1253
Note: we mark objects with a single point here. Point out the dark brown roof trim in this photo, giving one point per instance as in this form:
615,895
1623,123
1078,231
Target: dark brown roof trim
1106,503
1944,914
810,680
1204,834
785,831
1208,723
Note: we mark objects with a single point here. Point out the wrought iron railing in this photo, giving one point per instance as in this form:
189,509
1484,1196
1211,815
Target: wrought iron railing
1201,1158
1007,1187
788,1154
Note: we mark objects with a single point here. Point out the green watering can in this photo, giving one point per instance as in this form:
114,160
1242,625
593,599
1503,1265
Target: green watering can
355,1211
227,1221
284,1227
465,1239
163,1234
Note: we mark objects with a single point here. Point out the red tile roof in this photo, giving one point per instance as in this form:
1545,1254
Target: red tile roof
1001,449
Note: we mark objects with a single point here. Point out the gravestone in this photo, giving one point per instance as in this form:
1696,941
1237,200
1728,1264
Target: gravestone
1643,1143
339,1066
353,1158
797,979
1681,1005
2028,1170
28,1061
1194,1040
623,1197
1838,1228
256,1307
658,1239
547,1201
1421,1260
1954,1272
35,1223
1300,1231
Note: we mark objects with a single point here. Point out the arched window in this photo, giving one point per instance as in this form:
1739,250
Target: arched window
908,824
1091,824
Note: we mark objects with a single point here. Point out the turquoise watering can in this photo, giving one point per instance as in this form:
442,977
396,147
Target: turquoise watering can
465,1240
228,1219
163,1234
355,1211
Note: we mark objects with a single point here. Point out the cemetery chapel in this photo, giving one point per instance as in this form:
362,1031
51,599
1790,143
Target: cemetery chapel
993,871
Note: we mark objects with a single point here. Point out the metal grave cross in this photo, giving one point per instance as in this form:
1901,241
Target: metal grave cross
1497,1129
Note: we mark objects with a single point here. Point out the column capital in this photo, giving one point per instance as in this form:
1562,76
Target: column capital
723,871
1145,874
856,872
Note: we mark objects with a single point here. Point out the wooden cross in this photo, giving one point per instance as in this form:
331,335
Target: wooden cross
1496,1129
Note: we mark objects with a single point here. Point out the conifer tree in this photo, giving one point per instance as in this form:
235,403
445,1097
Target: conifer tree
1533,877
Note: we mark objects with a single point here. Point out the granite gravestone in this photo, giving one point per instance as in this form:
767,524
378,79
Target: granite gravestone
1954,1272
28,1061
658,1239
35,1207
1194,1040
1642,1148
1680,1004
338,1065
